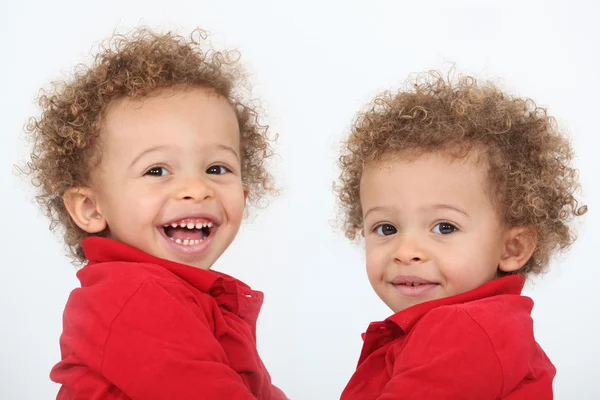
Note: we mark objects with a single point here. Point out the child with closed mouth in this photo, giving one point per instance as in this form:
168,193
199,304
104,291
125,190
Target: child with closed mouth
461,192
147,159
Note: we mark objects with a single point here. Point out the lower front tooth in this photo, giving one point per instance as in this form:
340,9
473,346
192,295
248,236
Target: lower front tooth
178,241
186,242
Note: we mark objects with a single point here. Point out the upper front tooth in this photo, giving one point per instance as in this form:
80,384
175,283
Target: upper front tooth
190,225
210,225
174,224
199,225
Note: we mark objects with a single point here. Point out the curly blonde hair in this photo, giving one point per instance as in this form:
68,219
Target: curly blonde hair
528,158
132,65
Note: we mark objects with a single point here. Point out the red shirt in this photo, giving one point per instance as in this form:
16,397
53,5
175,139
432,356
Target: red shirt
476,345
146,328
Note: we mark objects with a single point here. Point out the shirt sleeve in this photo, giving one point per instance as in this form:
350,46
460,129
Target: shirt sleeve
160,347
448,356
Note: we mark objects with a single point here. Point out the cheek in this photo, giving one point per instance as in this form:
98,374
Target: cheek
468,267
133,203
376,261
487,252
462,261
373,273
147,196
234,202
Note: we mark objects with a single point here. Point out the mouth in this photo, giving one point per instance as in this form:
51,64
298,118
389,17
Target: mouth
189,231
410,280
413,285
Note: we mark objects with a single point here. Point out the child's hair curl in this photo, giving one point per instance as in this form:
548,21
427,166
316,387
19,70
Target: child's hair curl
132,65
528,159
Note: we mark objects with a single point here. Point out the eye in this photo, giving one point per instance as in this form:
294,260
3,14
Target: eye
385,230
217,170
157,171
444,228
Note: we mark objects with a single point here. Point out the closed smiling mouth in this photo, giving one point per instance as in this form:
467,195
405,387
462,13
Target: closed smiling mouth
410,280
189,231
412,285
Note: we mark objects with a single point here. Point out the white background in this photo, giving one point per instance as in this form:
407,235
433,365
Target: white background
314,64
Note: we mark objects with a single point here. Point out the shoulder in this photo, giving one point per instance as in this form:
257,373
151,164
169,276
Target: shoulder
489,314
108,287
450,350
454,330
505,321
503,317
125,273
448,321
498,327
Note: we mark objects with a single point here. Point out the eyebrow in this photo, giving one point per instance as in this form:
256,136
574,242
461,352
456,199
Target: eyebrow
162,147
147,151
378,208
228,148
439,206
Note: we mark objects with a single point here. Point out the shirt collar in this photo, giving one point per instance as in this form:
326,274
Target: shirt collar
98,250
512,284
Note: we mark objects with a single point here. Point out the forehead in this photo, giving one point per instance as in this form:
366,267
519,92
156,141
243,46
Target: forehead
424,178
171,116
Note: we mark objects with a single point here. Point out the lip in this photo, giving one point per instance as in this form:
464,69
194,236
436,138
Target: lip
405,279
402,283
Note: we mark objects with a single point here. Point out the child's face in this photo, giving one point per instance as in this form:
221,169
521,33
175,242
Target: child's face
428,221
171,162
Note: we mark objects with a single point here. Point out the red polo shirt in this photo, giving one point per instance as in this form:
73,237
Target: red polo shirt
477,345
146,328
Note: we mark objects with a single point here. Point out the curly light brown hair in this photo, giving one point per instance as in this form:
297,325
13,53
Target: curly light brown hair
528,158
133,65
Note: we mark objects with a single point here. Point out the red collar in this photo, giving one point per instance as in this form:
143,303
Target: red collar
407,318
98,250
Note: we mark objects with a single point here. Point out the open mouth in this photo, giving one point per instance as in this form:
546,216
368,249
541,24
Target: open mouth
189,232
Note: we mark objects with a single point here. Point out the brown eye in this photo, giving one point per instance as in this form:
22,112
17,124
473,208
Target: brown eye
444,228
217,170
157,171
385,229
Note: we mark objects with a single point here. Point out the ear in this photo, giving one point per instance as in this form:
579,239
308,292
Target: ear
520,243
81,203
246,190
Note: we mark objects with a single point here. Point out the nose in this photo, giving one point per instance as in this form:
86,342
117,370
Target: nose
409,250
195,188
